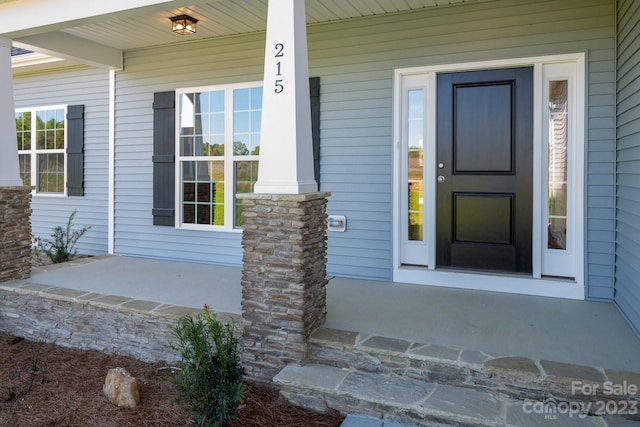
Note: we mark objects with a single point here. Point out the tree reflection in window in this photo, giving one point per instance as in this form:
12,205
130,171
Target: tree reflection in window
558,165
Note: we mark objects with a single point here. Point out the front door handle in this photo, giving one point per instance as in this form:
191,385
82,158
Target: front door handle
441,179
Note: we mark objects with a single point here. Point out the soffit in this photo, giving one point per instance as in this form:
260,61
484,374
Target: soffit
230,17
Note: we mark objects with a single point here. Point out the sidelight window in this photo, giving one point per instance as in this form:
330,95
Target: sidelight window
557,164
562,153
415,164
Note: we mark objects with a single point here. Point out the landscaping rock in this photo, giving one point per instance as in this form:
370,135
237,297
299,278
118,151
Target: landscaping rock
121,388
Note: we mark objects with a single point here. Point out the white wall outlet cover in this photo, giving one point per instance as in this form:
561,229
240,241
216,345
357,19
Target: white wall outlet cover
337,223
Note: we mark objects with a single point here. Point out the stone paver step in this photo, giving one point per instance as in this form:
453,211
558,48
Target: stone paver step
517,377
381,400
357,420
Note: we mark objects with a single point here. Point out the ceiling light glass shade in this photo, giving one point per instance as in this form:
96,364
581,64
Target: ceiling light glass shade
183,24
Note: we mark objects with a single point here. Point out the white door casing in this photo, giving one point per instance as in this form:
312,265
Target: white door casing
556,272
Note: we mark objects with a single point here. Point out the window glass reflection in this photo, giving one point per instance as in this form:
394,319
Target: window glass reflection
247,114
415,174
558,146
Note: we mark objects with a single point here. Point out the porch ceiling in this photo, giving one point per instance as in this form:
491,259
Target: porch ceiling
150,26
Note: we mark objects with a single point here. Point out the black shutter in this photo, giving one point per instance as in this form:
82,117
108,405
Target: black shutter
164,158
75,150
314,89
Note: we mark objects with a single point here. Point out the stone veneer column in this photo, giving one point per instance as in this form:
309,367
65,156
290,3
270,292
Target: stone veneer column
283,278
15,233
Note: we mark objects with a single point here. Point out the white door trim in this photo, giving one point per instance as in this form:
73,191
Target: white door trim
536,284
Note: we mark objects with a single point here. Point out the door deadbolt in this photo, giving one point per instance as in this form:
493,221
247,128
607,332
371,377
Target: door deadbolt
440,165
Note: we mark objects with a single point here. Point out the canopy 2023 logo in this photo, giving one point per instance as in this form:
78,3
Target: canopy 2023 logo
622,401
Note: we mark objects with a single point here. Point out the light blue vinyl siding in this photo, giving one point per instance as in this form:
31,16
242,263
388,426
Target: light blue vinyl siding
627,289
90,87
355,60
234,60
600,177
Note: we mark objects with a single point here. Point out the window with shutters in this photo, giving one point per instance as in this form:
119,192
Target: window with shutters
217,147
42,148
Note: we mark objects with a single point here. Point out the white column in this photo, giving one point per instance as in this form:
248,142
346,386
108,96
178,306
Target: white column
9,166
286,148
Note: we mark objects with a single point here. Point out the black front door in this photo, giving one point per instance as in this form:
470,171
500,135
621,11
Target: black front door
485,170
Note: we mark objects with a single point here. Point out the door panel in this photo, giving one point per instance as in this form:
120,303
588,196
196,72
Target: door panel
483,128
484,155
483,218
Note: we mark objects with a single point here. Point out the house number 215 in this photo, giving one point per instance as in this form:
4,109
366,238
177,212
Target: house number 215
279,54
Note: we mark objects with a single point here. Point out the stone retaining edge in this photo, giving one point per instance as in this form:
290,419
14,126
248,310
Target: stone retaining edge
516,377
92,321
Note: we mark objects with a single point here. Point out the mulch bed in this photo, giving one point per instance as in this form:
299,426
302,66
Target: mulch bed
47,385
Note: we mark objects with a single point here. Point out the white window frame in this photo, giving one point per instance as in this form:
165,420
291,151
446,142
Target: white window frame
34,151
229,159
425,246
562,262
540,282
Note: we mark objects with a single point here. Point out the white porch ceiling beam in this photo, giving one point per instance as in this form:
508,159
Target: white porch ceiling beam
66,46
21,16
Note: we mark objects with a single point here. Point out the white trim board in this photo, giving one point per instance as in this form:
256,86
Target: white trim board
513,284
111,172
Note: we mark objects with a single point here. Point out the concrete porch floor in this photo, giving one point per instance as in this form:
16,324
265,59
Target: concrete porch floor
578,332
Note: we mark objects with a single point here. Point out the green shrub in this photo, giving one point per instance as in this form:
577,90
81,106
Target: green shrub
60,247
210,381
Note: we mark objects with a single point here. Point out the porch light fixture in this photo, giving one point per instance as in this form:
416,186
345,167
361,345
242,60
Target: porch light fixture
183,24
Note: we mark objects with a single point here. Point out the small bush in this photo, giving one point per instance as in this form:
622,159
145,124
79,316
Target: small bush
210,381
60,247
